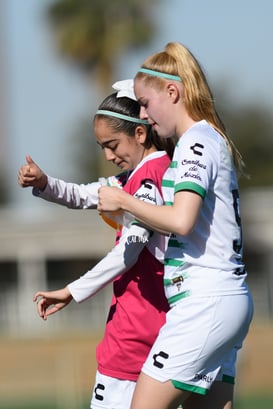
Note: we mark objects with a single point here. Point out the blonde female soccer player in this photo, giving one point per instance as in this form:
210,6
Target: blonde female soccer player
205,278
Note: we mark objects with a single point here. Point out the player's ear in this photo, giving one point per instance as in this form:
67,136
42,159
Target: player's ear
141,134
173,92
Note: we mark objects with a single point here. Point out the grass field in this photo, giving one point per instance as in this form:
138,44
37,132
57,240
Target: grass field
58,373
251,402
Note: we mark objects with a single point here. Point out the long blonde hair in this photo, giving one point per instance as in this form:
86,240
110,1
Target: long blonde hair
177,60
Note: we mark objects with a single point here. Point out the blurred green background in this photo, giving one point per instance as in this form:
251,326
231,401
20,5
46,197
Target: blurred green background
58,372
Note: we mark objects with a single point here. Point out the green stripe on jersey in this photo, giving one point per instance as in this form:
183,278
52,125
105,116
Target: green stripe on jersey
173,262
178,297
167,183
194,187
190,388
173,164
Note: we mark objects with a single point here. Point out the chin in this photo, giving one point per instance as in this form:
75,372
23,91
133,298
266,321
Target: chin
124,167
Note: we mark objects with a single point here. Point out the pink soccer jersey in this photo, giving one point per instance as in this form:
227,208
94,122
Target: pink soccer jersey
138,304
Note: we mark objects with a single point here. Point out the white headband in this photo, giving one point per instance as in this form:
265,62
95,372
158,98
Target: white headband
124,88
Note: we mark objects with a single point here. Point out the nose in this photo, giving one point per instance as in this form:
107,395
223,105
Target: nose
109,155
143,113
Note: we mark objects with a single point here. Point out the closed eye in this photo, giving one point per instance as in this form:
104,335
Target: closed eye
109,145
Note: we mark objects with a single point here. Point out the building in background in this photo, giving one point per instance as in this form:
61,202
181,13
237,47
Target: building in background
48,247
45,249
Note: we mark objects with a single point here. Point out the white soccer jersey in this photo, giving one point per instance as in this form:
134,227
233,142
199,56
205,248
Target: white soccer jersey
209,260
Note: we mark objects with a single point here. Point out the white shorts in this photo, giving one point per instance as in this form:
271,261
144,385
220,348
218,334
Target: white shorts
111,392
199,342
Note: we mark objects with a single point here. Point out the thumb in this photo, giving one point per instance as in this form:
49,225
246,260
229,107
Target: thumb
37,295
29,160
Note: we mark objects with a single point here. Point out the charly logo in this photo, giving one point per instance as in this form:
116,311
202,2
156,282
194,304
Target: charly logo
196,148
203,377
98,388
161,354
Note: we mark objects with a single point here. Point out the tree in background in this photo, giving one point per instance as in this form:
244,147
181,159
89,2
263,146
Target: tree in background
254,128
251,128
93,34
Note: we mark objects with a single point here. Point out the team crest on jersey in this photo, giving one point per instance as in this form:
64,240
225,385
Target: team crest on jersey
197,148
158,359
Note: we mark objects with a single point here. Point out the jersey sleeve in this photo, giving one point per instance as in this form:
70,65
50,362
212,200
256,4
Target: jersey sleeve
196,163
71,195
120,259
149,192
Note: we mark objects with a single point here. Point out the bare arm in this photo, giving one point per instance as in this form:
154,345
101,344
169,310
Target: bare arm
179,218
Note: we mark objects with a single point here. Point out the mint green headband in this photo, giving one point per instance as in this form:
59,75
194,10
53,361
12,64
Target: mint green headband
121,116
160,74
